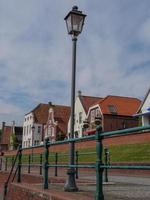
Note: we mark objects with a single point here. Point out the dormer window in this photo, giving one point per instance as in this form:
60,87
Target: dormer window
112,109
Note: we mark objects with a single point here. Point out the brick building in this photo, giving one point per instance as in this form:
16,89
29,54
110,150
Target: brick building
116,112
11,137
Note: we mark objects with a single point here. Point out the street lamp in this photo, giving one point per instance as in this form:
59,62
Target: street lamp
74,22
33,129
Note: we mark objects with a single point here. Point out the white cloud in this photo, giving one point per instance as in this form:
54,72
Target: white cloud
35,51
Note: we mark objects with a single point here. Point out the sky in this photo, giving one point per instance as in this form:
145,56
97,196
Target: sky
113,52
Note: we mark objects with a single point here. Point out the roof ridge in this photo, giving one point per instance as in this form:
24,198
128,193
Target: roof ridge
122,97
92,96
60,105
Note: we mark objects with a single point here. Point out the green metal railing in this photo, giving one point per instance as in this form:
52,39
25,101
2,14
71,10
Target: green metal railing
11,174
99,166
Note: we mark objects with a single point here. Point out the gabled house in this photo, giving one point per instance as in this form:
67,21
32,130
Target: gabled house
11,137
116,112
33,125
45,120
56,126
144,110
82,105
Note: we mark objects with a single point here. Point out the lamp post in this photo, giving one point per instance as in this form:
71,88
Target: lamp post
74,22
33,129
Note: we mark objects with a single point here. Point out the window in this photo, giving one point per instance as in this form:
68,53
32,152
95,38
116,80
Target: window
39,129
92,115
51,131
24,130
123,125
80,117
27,130
30,129
112,109
97,113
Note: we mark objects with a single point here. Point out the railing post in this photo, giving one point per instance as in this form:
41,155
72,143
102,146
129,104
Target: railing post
41,159
77,160
99,170
1,163
29,163
19,164
106,163
45,166
12,161
6,164
56,162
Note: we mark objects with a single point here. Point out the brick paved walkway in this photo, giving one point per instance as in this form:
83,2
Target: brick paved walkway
118,188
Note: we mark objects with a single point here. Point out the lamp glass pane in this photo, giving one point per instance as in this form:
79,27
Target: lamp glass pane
69,24
77,21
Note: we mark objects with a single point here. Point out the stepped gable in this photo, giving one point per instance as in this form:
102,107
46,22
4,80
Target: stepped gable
61,114
88,101
126,106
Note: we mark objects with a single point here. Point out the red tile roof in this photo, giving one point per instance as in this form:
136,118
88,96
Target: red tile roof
88,101
5,139
41,113
126,106
61,114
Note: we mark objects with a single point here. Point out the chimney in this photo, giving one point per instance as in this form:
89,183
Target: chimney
3,125
50,103
13,126
79,93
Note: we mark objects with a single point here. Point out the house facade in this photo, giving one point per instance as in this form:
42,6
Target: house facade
56,125
144,110
115,112
45,120
82,105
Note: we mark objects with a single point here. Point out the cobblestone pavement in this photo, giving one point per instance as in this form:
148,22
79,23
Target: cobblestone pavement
119,187
125,187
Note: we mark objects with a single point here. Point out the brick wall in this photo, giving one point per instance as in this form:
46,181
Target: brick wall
117,140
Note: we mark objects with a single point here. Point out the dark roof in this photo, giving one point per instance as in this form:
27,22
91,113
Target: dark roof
61,114
41,113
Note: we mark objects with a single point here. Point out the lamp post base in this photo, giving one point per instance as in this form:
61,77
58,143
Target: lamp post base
70,185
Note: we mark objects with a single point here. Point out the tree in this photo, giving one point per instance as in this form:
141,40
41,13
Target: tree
13,141
60,136
0,135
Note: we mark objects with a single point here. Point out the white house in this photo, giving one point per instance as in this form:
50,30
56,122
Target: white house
33,125
144,110
82,105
